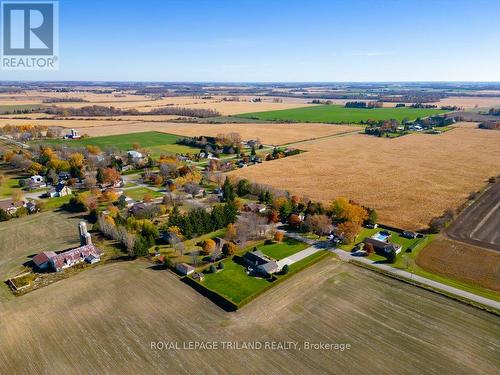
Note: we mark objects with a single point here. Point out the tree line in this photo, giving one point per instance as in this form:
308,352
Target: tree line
99,110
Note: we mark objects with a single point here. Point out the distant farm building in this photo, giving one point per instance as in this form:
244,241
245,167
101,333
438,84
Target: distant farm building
184,269
87,252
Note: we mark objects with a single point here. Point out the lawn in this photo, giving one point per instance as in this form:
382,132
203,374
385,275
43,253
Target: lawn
156,142
395,238
8,186
283,249
139,193
54,203
340,114
233,282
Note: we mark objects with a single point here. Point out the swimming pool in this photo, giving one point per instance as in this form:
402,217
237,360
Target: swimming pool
381,236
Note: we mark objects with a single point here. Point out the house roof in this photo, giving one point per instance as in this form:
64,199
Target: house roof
43,258
9,203
219,242
377,244
269,267
255,206
60,187
137,207
183,267
75,254
257,257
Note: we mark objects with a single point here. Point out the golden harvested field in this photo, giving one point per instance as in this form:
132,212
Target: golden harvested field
408,180
37,97
103,320
224,107
470,102
268,133
471,264
145,103
87,123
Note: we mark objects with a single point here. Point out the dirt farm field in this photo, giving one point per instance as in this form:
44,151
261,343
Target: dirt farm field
408,180
470,101
478,223
268,133
468,263
104,320
23,237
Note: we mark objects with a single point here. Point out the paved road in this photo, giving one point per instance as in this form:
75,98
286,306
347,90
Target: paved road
36,195
479,224
299,256
344,255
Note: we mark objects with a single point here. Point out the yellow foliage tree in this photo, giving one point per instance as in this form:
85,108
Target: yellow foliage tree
208,246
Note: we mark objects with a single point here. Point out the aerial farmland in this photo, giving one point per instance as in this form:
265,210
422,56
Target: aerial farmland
250,187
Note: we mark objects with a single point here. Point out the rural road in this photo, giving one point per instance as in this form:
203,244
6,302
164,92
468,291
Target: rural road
479,224
35,195
356,131
346,256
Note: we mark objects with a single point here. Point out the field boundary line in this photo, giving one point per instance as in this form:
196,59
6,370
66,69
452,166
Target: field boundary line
418,284
324,137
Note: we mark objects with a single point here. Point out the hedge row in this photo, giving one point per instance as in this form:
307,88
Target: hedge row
229,305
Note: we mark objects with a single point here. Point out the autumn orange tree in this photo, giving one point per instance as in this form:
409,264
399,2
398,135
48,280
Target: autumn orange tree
294,220
111,176
274,216
348,231
278,236
231,232
208,246
343,210
369,248
229,249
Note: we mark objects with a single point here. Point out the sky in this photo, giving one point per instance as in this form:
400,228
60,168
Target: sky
275,41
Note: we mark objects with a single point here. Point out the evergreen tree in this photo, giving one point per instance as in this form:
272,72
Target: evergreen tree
100,175
231,212
243,187
228,190
4,216
141,246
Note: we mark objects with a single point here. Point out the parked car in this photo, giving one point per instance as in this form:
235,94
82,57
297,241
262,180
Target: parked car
359,253
409,235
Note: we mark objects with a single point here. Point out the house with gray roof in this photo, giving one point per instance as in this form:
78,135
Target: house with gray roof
260,263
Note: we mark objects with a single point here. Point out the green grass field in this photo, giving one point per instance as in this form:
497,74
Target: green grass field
395,238
288,247
233,282
340,114
56,202
8,186
157,143
139,193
